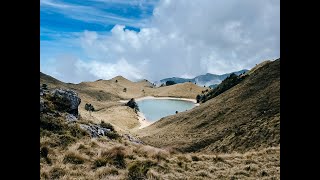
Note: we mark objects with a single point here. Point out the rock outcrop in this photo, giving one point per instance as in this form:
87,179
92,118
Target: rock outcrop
95,130
59,101
66,101
71,118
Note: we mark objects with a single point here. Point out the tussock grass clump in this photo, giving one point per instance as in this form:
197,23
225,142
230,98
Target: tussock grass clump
81,146
151,152
153,175
160,155
94,144
103,172
54,125
99,162
65,140
76,131
56,173
86,150
73,158
115,156
183,158
139,169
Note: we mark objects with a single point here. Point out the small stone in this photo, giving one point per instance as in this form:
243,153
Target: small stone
71,118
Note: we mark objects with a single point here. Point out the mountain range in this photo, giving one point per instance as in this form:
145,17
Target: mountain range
208,79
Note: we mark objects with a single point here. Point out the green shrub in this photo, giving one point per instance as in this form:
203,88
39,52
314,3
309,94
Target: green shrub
106,125
226,84
88,107
132,104
112,135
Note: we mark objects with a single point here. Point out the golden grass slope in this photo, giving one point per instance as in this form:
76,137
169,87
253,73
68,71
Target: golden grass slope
245,117
85,160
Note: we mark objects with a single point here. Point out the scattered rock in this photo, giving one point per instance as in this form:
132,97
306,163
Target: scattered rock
41,92
42,105
71,118
95,130
132,139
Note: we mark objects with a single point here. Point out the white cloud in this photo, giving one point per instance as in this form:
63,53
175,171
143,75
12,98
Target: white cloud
188,38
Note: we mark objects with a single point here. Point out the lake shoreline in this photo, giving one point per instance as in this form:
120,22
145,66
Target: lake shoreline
143,120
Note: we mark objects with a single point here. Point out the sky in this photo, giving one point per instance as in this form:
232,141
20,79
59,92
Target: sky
155,39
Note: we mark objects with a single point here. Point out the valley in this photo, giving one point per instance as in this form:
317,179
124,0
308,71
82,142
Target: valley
233,135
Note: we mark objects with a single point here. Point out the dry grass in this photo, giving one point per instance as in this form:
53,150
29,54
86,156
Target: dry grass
155,163
74,158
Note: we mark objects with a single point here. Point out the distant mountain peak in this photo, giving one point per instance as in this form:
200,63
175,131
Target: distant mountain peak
207,79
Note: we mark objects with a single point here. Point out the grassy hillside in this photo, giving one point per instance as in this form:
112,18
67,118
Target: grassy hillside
245,117
234,135
104,95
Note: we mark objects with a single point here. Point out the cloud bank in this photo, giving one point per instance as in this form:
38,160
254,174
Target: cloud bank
183,38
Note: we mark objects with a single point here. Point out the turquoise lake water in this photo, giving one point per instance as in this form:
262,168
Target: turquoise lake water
155,109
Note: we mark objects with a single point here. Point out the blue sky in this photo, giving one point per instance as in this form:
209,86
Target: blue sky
154,39
61,21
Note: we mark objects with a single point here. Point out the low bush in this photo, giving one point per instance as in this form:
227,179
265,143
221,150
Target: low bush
106,125
112,135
